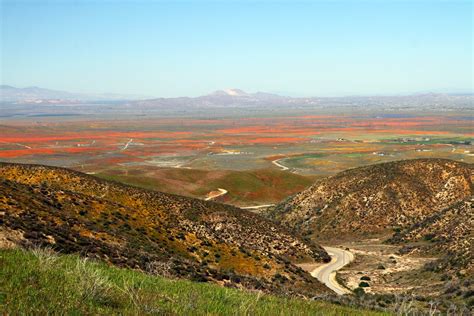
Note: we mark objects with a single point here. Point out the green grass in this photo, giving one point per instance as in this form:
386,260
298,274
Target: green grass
261,186
41,282
301,161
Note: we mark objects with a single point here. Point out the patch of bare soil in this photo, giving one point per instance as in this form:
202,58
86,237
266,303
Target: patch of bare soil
309,267
9,238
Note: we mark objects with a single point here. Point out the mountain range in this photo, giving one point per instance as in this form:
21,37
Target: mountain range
41,95
237,98
225,98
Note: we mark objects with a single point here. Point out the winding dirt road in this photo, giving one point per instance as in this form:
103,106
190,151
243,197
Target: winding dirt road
327,272
213,196
276,163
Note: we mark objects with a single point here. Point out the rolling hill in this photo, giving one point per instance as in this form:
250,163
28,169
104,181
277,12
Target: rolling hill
374,200
154,232
249,187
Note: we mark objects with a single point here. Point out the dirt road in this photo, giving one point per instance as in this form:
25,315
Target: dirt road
213,196
327,272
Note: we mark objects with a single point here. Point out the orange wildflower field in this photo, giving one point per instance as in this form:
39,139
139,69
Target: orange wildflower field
110,142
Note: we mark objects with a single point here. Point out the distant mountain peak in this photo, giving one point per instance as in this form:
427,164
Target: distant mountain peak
235,92
230,92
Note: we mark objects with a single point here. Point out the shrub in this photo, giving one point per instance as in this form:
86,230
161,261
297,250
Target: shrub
451,288
468,293
432,266
364,284
359,292
429,237
192,249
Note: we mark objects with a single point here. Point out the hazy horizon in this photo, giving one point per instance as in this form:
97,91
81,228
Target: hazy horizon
191,48
139,96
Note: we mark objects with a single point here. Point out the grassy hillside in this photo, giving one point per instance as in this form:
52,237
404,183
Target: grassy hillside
245,187
152,231
40,282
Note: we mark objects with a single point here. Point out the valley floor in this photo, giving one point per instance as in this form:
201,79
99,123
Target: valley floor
387,271
384,272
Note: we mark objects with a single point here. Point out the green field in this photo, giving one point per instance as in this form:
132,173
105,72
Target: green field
245,188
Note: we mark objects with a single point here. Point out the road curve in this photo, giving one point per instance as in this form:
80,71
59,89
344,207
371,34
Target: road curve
327,272
213,196
276,163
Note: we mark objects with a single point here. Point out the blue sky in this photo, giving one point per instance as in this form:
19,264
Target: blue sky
179,48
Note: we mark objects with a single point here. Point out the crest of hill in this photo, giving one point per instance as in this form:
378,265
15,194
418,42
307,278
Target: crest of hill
373,200
155,232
